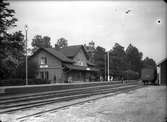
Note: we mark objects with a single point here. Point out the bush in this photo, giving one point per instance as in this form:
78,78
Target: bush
12,82
32,70
130,75
38,81
19,82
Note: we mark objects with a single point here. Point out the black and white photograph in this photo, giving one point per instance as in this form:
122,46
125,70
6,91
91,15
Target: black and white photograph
83,61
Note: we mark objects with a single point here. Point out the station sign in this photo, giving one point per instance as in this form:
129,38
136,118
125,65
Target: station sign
88,68
43,66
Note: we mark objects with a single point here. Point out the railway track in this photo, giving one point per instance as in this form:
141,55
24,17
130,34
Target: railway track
15,103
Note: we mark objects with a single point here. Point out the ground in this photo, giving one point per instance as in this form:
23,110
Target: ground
146,104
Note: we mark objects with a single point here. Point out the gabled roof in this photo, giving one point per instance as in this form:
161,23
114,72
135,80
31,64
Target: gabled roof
65,54
162,61
83,68
55,53
72,51
58,54
90,63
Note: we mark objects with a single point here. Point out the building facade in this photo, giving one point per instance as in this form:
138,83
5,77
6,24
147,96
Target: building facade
69,64
163,72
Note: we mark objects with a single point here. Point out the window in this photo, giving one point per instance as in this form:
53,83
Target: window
43,60
47,75
81,63
54,78
44,75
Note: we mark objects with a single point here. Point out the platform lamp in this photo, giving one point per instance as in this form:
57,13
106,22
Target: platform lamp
26,30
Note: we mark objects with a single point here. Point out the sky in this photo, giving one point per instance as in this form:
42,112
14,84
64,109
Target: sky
141,23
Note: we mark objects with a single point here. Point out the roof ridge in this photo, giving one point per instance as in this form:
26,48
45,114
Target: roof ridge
71,51
161,61
72,46
59,54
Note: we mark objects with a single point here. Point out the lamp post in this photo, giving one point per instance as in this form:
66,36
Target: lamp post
26,30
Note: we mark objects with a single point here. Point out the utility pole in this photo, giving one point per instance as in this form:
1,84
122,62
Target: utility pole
26,29
105,66
108,67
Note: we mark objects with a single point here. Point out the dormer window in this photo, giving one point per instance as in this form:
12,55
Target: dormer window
43,61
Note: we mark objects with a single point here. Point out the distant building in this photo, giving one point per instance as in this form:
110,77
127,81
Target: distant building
68,64
163,72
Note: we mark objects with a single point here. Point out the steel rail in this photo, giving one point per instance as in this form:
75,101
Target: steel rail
117,91
30,104
26,96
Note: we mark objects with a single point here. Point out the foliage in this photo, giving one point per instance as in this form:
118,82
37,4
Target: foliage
62,42
17,82
38,81
130,75
32,70
16,45
40,42
99,59
149,62
12,82
120,61
7,19
118,50
117,60
12,55
90,49
11,45
133,58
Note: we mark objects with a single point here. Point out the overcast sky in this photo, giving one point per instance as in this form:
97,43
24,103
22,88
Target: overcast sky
140,23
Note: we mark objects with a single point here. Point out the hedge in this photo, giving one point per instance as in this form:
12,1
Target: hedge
19,82
130,75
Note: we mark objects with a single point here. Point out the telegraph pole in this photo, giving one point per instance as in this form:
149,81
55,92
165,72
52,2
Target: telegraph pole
105,65
26,30
108,67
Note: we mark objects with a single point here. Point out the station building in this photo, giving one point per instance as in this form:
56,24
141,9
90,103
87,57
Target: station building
163,72
68,64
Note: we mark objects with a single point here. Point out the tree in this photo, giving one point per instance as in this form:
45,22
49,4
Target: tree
149,62
90,49
7,19
118,50
11,45
32,70
133,58
117,60
40,42
99,59
62,42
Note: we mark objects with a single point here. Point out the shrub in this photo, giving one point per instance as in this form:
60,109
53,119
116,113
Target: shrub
38,81
12,82
130,75
32,70
18,82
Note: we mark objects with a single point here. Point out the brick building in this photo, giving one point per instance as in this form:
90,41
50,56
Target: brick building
68,64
